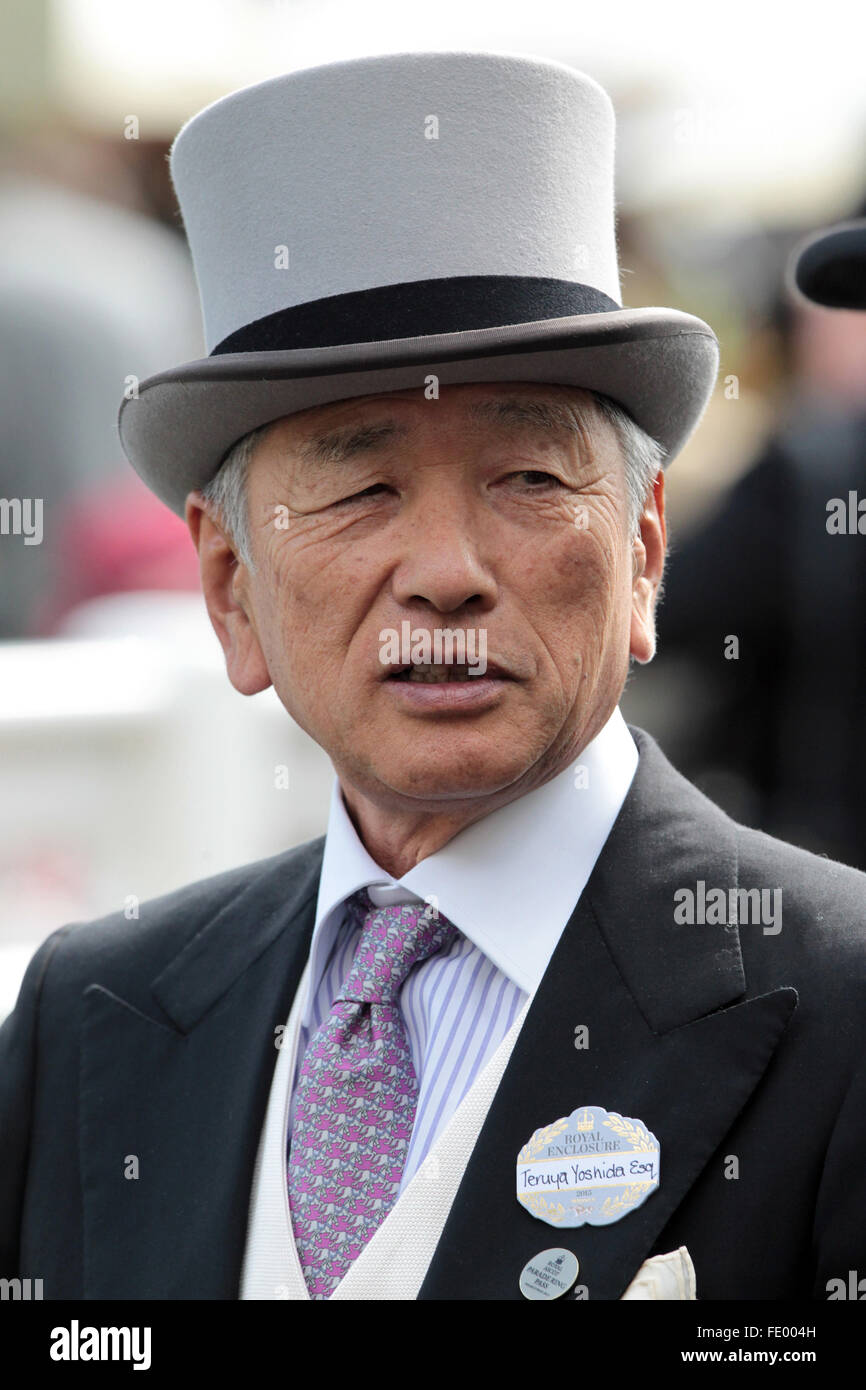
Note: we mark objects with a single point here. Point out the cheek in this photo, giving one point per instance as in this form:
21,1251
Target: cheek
587,573
582,603
294,589
310,619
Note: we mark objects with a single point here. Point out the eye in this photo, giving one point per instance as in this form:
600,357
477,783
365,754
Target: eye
370,491
536,479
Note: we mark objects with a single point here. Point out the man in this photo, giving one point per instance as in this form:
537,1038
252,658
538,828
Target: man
547,1023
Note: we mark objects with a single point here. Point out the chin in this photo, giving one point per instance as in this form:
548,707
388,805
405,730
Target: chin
455,775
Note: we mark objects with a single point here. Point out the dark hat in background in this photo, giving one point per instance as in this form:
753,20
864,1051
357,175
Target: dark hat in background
829,267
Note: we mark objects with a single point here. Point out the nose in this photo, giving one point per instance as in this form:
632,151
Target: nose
442,565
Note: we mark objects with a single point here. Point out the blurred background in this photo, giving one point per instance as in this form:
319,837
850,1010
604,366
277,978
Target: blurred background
128,764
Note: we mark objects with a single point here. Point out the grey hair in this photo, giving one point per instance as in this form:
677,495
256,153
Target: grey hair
226,491
642,455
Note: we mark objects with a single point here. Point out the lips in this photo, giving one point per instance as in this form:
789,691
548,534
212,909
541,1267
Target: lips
441,673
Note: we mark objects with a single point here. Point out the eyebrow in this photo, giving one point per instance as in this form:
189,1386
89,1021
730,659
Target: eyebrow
338,445
517,414
510,414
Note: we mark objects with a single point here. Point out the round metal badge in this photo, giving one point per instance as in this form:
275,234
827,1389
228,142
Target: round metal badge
549,1274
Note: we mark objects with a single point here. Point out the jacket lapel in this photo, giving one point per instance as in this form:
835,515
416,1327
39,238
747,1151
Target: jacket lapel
173,1100
672,1040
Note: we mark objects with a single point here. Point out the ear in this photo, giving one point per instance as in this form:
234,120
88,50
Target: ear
648,552
226,585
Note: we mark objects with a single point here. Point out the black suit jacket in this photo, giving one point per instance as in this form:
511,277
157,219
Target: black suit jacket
154,1038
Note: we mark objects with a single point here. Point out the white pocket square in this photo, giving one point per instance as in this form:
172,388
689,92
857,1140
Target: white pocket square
664,1276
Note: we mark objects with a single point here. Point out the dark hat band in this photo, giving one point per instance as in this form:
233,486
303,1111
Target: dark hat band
417,308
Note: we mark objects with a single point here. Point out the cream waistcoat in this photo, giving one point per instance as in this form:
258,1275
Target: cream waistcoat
393,1263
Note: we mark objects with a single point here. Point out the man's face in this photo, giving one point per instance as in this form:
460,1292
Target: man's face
497,511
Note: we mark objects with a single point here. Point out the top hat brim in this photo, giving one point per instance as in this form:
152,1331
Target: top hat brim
829,267
660,365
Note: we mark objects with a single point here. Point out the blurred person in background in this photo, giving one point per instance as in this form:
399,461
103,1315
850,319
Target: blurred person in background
94,288
767,598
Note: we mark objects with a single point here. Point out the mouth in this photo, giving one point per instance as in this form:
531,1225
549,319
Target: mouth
443,673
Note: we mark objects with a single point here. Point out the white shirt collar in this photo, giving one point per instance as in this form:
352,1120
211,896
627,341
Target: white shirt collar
510,881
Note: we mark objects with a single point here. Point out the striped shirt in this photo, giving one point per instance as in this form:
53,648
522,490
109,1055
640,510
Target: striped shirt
509,883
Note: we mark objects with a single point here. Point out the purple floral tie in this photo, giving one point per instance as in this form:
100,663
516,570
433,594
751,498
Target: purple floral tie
356,1095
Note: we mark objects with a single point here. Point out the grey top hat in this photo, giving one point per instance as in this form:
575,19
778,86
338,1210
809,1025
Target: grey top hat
829,267
358,226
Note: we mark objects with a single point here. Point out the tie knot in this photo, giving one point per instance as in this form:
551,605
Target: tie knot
393,939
